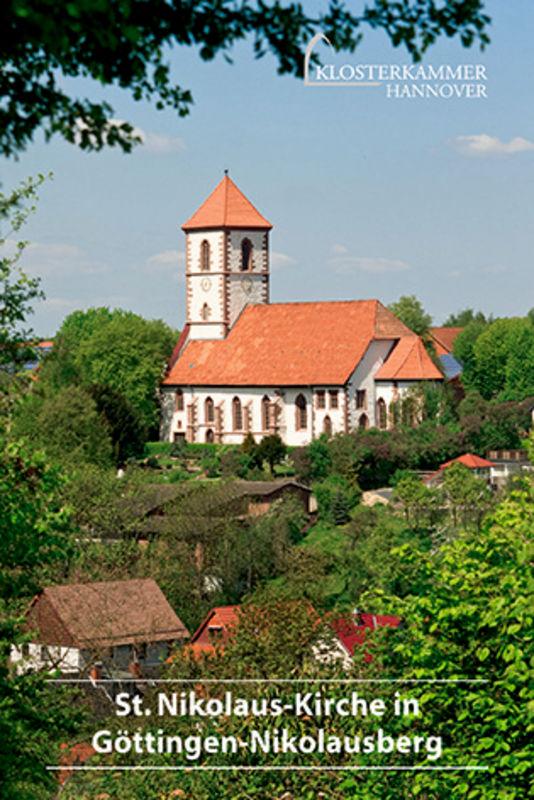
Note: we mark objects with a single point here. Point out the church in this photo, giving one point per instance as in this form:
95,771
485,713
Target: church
244,365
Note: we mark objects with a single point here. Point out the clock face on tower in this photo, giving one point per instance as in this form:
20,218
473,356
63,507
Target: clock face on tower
205,284
246,285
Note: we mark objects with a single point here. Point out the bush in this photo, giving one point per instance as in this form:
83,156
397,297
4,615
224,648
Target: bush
335,498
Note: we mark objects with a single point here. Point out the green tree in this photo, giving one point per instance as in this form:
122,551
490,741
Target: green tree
66,426
410,311
464,350
504,360
468,497
18,291
463,318
468,614
48,45
116,349
272,450
124,425
417,500
33,536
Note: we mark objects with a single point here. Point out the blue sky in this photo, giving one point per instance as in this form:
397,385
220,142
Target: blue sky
369,196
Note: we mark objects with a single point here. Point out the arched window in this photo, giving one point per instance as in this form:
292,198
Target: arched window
265,413
179,400
327,426
209,436
246,255
363,422
301,413
205,312
209,410
382,413
237,414
205,256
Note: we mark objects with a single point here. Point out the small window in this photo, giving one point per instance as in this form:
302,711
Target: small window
327,426
382,414
205,256
361,398
301,413
210,437
334,401
209,410
179,400
321,403
246,255
363,422
237,414
265,413
205,312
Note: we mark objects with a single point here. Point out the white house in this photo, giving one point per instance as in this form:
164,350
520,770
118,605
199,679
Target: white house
245,365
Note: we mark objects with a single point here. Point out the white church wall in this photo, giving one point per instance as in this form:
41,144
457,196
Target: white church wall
205,288
363,379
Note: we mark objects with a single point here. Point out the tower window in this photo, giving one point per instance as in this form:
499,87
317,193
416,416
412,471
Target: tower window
246,255
205,312
301,413
209,410
237,414
205,256
179,400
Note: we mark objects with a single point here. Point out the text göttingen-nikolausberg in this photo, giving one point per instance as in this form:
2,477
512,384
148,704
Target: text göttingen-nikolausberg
267,742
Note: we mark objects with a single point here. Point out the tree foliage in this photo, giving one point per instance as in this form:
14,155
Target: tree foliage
410,311
46,44
115,349
18,291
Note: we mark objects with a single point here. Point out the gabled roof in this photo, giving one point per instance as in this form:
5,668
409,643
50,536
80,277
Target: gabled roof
104,614
224,617
226,207
352,631
444,339
409,361
289,344
469,460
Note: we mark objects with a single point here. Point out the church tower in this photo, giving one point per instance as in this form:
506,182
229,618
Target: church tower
227,261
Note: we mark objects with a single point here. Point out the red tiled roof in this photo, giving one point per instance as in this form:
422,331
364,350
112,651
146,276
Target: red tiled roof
224,617
103,614
444,339
409,361
226,207
289,344
469,460
351,632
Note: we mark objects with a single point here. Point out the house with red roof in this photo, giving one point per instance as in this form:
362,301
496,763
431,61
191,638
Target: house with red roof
352,632
244,365
479,466
214,629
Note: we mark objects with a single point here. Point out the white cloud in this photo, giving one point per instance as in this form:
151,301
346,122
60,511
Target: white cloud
158,143
47,259
348,264
339,249
166,259
484,145
280,260
161,144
